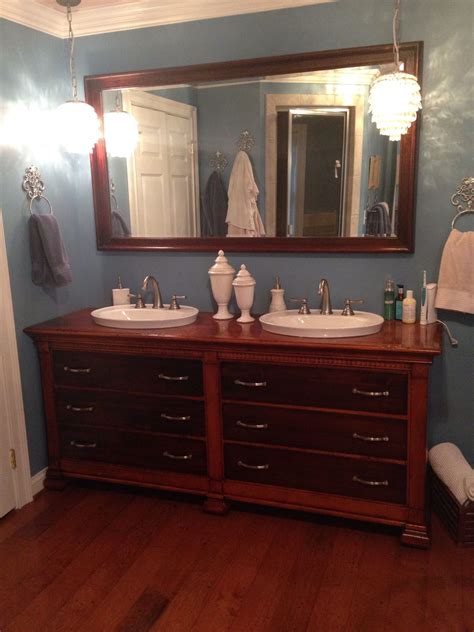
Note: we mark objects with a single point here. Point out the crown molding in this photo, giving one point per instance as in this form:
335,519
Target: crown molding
102,17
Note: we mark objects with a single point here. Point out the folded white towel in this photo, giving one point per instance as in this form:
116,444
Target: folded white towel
451,467
469,485
456,273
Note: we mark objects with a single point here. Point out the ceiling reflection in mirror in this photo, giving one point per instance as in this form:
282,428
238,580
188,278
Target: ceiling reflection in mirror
317,167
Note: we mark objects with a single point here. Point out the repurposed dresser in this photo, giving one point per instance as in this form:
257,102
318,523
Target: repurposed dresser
231,412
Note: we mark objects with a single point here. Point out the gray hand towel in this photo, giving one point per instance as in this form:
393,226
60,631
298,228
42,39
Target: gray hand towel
119,225
49,261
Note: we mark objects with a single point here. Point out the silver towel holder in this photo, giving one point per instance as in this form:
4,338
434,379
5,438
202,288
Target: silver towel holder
246,141
218,162
463,199
34,187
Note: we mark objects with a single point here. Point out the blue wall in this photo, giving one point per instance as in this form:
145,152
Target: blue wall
35,66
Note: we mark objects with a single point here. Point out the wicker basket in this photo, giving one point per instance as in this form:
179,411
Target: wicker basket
458,519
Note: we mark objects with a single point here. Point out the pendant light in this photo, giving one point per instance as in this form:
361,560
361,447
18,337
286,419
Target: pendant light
120,132
394,97
77,122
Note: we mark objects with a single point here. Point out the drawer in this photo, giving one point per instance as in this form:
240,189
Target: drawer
334,432
132,448
342,388
137,412
344,476
167,376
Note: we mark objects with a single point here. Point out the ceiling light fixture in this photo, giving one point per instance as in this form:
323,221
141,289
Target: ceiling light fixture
120,131
395,98
77,123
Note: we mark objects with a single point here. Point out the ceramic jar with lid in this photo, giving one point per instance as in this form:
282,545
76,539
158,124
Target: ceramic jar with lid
221,275
244,288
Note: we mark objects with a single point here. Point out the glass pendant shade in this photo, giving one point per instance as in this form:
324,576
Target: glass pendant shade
121,133
77,126
394,100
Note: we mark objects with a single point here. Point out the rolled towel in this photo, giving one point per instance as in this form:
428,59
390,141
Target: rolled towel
451,467
469,485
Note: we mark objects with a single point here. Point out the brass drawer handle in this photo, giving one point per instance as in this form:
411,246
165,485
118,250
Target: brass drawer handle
80,409
356,391
246,466
251,384
178,457
362,481
68,369
173,378
356,435
78,444
173,418
243,424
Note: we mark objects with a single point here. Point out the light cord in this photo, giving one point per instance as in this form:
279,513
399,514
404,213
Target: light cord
72,63
396,34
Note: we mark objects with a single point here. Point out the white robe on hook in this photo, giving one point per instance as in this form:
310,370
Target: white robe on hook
243,218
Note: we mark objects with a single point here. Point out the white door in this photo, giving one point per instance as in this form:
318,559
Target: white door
15,484
163,170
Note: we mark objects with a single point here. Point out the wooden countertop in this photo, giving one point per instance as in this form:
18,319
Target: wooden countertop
394,337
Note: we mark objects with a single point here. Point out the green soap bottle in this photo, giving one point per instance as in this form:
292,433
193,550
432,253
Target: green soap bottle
389,300
399,302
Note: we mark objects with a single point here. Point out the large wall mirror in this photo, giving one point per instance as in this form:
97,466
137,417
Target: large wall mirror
270,154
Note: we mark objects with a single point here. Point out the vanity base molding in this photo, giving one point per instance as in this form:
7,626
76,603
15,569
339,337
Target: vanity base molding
233,413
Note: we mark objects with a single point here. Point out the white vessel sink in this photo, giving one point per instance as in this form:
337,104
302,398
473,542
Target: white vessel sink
316,325
128,317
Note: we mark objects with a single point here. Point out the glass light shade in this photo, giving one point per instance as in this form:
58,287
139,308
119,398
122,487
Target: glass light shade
394,100
121,133
77,126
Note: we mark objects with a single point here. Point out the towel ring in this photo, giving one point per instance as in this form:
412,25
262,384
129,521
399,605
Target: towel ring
39,198
34,187
463,199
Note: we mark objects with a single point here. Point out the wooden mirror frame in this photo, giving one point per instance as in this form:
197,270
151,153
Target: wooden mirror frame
410,55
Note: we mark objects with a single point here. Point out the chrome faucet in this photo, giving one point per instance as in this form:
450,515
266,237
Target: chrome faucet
157,300
323,291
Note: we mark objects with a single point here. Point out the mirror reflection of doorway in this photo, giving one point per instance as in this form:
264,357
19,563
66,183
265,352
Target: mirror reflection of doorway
312,152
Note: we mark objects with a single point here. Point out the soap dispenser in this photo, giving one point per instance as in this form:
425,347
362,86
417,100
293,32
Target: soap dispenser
221,275
120,295
244,287
277,304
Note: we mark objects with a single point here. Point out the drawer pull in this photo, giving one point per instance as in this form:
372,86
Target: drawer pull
246,466
243,424
173,418
356,391
80,409
68,369
356,435
362,481
173,378
77,444
177,457
251,384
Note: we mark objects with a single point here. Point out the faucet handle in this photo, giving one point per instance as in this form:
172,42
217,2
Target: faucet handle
139,304
348,303
304,309
174,301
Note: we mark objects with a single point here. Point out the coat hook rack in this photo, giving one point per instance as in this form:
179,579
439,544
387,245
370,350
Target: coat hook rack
218,162
246,141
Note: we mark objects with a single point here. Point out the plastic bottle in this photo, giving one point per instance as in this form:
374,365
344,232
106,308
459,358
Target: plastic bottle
389,300
409,308
399,302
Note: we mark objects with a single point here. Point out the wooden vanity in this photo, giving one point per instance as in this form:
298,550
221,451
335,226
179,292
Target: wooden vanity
231,412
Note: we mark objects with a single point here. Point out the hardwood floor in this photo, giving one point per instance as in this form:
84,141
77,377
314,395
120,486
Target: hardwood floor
108,559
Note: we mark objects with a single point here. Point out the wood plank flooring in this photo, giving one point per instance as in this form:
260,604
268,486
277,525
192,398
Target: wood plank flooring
110,559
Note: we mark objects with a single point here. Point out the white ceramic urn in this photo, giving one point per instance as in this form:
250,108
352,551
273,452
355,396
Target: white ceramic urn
221,275
244,288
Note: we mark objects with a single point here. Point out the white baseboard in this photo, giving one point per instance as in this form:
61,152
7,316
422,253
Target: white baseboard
37,481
